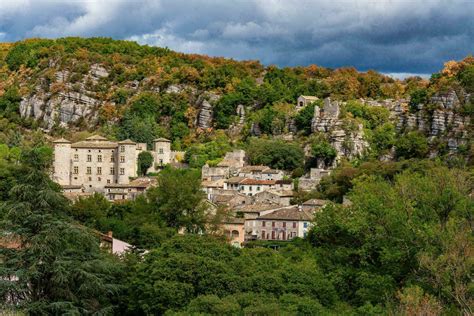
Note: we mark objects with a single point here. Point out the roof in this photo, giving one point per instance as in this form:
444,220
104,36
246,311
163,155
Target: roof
61,141
309,97
235,180
280,193
95,144
257,182
293,213
96,138
127,142
316,202
254,208
287,181
221,198
161,139
137,183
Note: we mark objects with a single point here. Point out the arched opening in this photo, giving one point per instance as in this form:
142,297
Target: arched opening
235,234
301,103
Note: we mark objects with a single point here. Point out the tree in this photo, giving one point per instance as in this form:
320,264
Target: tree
58,265
411,145
179,199
305,116
419,96
145,161
323,151
275,153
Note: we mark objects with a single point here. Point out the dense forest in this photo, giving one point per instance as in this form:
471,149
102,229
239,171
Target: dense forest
404,246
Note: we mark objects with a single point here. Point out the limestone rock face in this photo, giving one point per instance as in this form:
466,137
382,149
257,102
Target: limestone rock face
241,113
447,100
349,143
205,115
62,109
444,122
67,106
204,118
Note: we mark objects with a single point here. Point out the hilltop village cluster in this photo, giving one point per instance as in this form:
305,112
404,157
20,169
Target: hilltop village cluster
258,197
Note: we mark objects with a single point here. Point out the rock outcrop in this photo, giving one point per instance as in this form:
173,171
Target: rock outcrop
347,141
70,104
204,103
440,119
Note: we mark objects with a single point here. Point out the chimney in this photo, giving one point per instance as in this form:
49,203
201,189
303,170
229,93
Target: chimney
300,208
109,233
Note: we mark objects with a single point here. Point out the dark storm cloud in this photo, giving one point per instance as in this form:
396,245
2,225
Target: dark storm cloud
389,36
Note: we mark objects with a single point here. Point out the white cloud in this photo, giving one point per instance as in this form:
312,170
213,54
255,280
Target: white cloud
388,35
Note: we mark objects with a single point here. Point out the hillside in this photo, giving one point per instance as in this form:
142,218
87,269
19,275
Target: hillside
70,86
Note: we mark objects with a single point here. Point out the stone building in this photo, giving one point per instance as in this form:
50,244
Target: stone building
283,224
97,162
304,100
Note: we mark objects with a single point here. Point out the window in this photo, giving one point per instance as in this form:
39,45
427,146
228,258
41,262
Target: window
284,235
305,225
76,169
112,170
112,159
108,181
161,161
250,188
90,179
99,170
284,224
89,158
99,179
89,170
263,234
76,157
122,171
258,188
263,224
273,234
294,224
273,224
122,149
160,150
122,159
99,158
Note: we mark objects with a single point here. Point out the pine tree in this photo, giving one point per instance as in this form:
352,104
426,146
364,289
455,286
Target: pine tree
57,266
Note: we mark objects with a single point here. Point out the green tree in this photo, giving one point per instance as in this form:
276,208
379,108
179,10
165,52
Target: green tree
179,199
411,145
145,161
305,116
275,153
90,210
419,96
323,151
58,264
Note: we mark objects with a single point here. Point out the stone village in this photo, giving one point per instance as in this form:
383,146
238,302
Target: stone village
258,197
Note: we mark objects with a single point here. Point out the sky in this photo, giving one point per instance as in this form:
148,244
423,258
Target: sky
398,37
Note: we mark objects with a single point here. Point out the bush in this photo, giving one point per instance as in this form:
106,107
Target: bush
275,153
411,145
419,96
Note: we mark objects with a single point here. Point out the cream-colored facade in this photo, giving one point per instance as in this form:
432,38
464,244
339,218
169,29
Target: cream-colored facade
98,162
